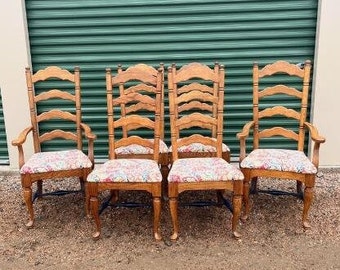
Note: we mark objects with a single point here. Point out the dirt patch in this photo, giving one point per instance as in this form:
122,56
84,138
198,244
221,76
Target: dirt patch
272,238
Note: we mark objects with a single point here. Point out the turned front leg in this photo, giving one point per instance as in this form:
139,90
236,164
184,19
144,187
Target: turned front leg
157,216
94,205
29,204
246,199
27,193
174,217
307,201
237,206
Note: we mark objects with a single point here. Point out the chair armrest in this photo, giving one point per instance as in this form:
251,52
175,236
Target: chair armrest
88,133
19,142
317,139
314,133
91,137
242,137
22,136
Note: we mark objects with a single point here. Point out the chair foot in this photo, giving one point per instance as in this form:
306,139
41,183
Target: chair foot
96,235
236,234
158,236
306,225
29,224
174,236
244,218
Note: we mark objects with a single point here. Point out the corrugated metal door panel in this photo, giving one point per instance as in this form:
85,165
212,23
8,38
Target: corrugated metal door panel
4,158
99,34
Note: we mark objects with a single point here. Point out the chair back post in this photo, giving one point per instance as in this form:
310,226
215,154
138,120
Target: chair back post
159,106
256,105
161,70
33,109
110,113
173,116
220,104
304,103
122,105
216,88
78,107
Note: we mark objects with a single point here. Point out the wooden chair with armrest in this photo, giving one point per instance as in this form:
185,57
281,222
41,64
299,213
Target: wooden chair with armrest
68,162
280,162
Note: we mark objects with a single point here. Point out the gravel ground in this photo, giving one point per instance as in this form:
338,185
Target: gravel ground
272,238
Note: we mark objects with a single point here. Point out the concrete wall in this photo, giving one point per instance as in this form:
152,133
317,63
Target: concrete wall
14,56
326,99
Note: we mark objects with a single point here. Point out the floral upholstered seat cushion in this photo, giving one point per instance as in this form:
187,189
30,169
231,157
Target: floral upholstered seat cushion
126,170
280,160
199,147
139,149
56,161
203,169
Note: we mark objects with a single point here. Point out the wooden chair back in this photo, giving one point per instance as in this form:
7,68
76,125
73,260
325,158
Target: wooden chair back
196,98
45,78
135,106
261,112
127,109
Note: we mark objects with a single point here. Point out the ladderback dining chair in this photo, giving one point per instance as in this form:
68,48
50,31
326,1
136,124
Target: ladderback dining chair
126,109
205,106
131,172
70,160
193,88
280,81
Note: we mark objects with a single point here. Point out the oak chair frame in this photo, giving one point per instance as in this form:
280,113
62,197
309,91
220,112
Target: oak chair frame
28,179
251,175
180,100
150,82
163,157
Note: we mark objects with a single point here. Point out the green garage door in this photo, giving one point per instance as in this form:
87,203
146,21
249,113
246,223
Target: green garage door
4,159
95,34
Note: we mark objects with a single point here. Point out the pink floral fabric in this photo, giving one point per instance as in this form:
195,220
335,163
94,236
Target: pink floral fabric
280,160
56,161
199,147
127,170
138,149
203,169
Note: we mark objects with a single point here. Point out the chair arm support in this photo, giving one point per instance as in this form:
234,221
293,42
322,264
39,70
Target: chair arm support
242,137
91,137
317,141
19,142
